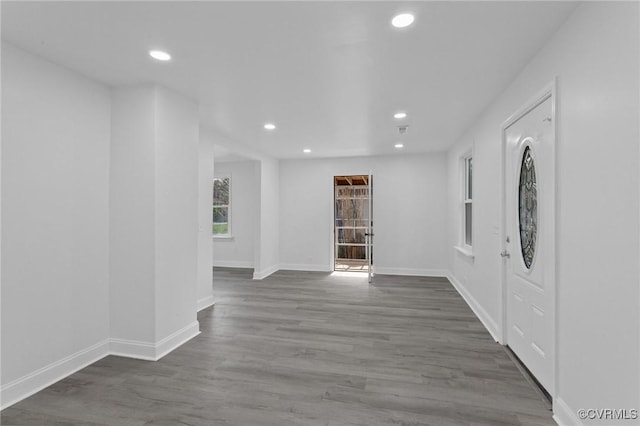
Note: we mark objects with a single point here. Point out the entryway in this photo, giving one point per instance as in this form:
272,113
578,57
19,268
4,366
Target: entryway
353,236
529,237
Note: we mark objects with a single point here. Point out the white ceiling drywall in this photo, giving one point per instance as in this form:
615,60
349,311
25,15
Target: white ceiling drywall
222,154
329,74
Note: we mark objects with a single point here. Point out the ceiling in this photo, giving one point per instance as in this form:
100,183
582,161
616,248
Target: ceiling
330,75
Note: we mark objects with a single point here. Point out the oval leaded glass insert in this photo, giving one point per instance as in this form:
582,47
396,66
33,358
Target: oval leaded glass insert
528,207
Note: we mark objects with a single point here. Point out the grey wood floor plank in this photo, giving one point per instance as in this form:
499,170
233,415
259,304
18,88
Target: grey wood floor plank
308,348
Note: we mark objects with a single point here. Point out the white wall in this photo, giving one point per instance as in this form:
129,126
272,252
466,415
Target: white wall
267,242
266,217
55,177
409,199
176,204
132,215
205,242
238,251
595,58
154,221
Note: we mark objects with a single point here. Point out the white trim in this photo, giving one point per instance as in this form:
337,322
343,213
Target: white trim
205,302
132,349
413,272
489,323
31,383
379,270
564,415
465,251
305,267
153,351
260,275
177,339
247,264
548,92
225,237
371,267
27,385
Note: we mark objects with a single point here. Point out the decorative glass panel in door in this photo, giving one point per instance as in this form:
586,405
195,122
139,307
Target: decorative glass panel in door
528,208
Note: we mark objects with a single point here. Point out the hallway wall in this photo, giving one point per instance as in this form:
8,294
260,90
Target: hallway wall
595,59
409,212
267,242
239,251
205,241
65,168
55,213
153,220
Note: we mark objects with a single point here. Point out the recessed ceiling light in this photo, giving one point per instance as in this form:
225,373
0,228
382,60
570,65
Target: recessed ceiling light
399,145
402,20
270,126
160,55
400,115
306,151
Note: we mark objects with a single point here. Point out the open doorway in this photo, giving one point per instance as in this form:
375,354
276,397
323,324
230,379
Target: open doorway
351,224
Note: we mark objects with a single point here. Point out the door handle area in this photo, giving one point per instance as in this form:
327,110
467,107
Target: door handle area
366,234
505,253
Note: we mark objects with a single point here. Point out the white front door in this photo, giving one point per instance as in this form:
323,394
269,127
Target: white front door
529,239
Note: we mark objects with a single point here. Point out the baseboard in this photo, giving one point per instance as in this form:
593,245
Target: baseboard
411,272
31,383
564,415
379,270
177,339
233,264
483,316
259,275
205,302
132,349
153,351
34,382
305,267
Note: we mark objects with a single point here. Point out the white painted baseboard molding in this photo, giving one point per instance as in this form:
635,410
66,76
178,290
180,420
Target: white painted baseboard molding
153,351
411,272
205,302
35,381
177,339
564,415
305,267
132,349
233,264
381,270
259,275
483,316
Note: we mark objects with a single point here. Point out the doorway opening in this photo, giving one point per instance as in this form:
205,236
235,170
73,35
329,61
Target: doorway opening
351,224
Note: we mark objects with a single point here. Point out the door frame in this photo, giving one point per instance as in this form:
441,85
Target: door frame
549,91
371,270
332,245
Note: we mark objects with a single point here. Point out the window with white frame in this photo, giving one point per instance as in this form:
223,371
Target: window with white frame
222,207
467,203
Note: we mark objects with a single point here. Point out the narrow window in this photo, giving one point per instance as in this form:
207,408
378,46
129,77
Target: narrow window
467,202
221,207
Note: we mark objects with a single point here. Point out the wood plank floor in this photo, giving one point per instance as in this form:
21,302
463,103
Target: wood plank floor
303,348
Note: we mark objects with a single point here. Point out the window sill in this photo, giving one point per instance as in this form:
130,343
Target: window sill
223,237
465,252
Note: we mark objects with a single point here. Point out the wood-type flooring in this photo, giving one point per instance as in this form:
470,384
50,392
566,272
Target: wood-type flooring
308,348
